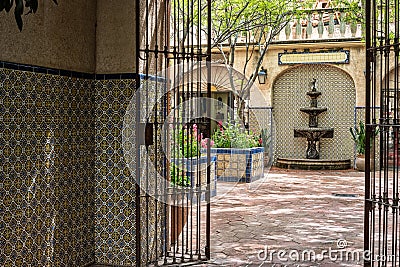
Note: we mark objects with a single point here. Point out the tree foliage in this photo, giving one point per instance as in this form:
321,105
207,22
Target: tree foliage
19,5
232,17
254,24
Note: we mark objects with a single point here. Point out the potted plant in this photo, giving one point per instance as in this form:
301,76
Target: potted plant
187,170
188,165
179,213
240,155
359,136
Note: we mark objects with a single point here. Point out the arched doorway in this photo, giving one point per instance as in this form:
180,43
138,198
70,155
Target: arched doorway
228,88
338,95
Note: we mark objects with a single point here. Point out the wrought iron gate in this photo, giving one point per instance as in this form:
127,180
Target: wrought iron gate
174,178
382,229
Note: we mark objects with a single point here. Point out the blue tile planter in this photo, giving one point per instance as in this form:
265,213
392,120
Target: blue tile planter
198,166
239,164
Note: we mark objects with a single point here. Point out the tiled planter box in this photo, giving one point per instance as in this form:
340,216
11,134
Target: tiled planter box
179,211
239,164
198,166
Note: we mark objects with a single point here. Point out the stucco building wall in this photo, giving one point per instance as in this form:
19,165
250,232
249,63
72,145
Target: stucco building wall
94,36
63,100
355,68
59,36
115,36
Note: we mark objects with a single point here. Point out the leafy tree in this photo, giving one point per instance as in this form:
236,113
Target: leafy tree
259,22
354,12
32,5
252,24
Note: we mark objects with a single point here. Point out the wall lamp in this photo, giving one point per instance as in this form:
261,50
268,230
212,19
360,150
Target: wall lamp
262,75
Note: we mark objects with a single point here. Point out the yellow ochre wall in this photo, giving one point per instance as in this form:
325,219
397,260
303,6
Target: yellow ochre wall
92,36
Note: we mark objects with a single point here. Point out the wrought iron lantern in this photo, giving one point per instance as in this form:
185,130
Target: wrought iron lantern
262,75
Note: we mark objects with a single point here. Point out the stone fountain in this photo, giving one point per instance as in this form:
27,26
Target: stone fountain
313,133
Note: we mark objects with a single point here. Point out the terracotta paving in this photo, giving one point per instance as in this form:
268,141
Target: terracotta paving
309,215
315,218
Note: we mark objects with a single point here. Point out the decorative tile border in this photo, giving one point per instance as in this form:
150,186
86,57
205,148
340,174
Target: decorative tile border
61,156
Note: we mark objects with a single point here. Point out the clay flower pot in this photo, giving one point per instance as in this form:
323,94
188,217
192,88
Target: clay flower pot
360,163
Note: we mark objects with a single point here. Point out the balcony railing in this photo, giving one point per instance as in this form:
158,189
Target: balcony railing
319,24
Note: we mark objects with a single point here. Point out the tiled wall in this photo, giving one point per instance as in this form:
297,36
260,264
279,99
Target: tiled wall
115,187
46,169
239,165
67,197
338,95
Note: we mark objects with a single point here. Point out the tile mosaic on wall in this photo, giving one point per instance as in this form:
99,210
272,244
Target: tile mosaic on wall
115,187
338,95
47,164
68,197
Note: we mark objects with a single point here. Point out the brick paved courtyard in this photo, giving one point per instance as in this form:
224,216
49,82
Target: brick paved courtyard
300,212
305,214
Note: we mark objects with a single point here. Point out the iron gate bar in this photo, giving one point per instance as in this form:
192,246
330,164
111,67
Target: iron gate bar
208,223
367,205
155,222
381,230
137,232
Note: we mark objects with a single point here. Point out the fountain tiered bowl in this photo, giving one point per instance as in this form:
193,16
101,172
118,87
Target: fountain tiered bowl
313,135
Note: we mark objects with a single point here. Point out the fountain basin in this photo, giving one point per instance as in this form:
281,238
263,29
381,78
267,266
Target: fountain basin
313,164
313,135
315,111
314,94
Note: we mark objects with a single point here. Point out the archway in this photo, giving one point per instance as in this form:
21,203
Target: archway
338,95
229,86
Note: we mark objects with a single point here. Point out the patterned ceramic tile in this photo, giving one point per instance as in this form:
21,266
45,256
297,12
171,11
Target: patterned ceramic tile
338,95
239,165
116,173
114,183
47,161
153,221
68,194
